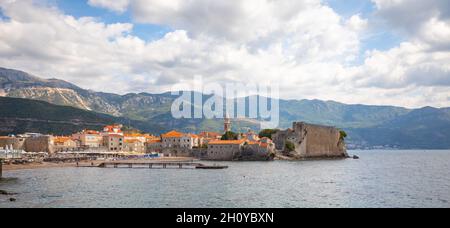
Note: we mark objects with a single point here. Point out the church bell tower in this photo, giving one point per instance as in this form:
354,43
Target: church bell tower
227,124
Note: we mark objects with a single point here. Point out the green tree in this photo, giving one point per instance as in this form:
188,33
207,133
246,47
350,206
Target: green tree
290,146
267,133
230,136
343,135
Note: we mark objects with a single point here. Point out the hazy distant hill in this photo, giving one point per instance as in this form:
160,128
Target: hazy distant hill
21,115
422,128
369,126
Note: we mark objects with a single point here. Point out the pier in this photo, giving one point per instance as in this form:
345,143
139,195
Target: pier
8,154
158,165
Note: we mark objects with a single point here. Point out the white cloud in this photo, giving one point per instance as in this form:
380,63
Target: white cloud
425,21
420,64
114,5
303,45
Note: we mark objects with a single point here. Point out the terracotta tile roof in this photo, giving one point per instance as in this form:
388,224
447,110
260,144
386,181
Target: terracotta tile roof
59,140
132,141
111,128
151,137
135,135
173,134
210,134
154,141
194,136
227,142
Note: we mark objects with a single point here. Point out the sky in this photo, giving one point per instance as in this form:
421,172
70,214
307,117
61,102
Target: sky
379,52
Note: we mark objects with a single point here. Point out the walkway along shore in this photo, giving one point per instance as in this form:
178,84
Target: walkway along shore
47,165
138,164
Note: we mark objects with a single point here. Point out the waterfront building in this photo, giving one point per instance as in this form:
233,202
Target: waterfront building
29,142
113,129
62,143
16,143
113,142
176,139
179,144
310,141
141,137
224,150
134,145
89,139
39,143
206,137
154,146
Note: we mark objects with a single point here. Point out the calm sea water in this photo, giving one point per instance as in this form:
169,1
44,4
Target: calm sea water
378,179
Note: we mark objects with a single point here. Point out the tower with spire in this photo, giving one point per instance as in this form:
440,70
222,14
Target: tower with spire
227,124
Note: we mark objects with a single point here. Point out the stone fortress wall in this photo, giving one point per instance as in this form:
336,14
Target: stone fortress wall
311,141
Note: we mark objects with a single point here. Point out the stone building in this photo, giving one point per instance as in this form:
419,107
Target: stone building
113,129
61,144
311,141
154,146
134,145
179,144
113,142
224,150
89,139
42,143
16,143
206,137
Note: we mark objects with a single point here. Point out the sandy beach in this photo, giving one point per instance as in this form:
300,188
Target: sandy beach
48,165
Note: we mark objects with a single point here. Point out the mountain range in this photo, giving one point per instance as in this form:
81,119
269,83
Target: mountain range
367,126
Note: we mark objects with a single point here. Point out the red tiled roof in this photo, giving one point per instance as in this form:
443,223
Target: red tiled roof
111,128
91,132
154,141
227,142
132,141
173,134
61,139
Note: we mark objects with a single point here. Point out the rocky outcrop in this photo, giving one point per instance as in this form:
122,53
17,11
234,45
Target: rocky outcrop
307,141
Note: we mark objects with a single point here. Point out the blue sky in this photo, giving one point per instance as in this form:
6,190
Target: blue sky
379,38
80,8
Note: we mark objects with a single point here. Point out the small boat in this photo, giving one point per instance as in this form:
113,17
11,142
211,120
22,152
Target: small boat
211,167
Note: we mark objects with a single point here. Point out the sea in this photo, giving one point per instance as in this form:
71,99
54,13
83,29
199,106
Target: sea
379,179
